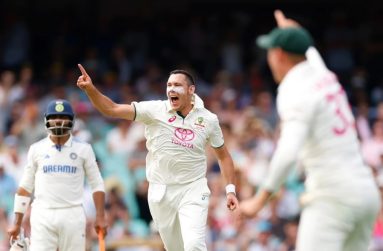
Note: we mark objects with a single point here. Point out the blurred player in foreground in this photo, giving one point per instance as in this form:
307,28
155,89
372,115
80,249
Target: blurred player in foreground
317,127
177,131
56,169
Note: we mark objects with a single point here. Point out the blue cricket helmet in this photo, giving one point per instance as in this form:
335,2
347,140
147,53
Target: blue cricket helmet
59,107
59,127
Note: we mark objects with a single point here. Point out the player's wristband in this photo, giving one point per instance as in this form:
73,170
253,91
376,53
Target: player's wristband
21,204
230,188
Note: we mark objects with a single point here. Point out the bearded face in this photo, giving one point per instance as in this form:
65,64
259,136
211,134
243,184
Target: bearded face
59,125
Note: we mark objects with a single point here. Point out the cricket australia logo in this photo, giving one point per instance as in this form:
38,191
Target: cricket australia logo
182,137
199,122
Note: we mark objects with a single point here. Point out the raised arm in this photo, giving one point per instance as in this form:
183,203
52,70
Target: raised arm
284,22
312,54
293,134
101,102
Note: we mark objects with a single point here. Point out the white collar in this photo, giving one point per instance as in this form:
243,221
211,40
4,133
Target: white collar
67,143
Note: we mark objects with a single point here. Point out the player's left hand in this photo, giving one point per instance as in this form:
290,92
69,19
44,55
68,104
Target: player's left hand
100,225
231,201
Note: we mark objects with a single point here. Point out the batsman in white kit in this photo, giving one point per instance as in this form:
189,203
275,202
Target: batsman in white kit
55,174
341,201
177,132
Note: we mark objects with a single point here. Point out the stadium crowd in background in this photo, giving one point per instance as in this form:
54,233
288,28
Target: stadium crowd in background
133,63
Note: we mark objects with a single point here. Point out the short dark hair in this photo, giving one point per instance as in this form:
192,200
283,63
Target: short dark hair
188,75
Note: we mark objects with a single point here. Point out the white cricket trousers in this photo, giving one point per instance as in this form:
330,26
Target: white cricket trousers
344,224
58,228
181,214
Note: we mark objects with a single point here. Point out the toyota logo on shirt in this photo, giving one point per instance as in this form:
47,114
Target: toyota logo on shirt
184,134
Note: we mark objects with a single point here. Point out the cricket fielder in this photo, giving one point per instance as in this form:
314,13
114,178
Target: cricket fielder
177,131
317,127
55,172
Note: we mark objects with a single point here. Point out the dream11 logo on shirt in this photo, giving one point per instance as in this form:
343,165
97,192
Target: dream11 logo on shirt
182,137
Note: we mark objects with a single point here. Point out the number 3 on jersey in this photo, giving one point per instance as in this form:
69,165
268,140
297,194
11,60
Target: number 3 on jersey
342,112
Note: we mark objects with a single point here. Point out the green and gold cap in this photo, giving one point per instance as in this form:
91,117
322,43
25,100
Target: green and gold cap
295,40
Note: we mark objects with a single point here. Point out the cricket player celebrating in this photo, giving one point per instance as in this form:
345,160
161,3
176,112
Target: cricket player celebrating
317,126
177,131
55,172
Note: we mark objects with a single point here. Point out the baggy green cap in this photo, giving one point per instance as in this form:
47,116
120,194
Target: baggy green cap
294,40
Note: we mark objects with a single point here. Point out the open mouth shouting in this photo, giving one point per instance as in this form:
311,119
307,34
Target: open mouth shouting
174,100
175,93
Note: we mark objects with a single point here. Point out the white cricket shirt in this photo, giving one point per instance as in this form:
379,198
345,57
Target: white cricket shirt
176,145
318,128
57,176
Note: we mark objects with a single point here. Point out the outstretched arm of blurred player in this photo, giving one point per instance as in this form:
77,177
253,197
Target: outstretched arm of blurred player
102,103
22,199
293,134
312,54
315,59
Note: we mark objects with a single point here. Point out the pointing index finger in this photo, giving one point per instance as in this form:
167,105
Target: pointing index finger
279,17
83,71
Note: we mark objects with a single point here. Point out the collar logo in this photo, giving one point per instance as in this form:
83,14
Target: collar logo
184,134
